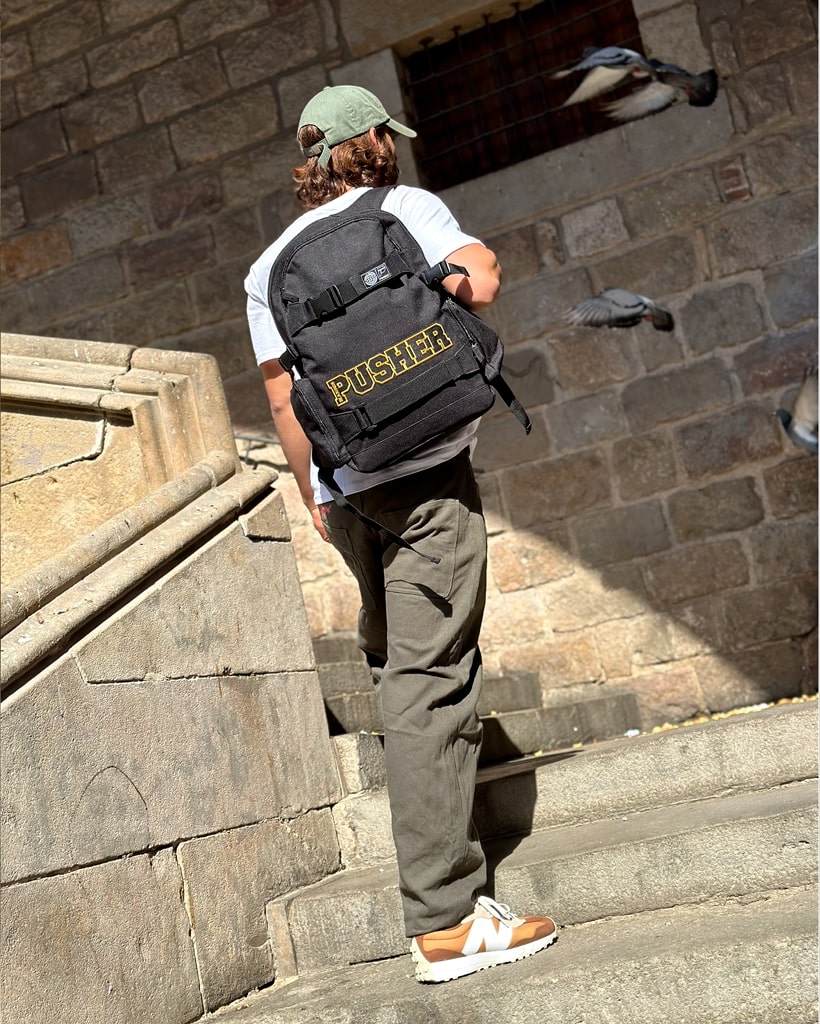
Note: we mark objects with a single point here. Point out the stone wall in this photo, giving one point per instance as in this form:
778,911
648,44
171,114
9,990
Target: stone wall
656,529
165,758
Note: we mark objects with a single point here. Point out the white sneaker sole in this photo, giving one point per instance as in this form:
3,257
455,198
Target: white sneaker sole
458,967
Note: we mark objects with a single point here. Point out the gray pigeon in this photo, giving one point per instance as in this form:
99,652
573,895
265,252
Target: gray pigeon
611,66
616,307
801,423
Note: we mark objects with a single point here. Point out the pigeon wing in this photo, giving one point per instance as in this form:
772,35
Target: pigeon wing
651,99
613,307
597,81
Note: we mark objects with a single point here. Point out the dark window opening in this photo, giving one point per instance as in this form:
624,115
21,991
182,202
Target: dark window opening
485,99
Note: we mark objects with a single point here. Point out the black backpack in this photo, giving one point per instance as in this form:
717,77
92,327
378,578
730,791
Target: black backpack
386,358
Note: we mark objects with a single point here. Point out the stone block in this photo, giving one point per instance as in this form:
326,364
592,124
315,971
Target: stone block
695,571
776,362
675,201
106,224
738,437
229,879
218,290
775,611
586,421
125,768
205,20
33,143
514,618
676,394
721,507
139,50
70,27
225,127
621,534
293,38
771,27
644,465
123,14
669,695
15,53
784,549
593,229
721,317
362,823
758,234
254,173
657,349
675,31
783,163
725,55
14,217
550,248
361,761
90,946
354,712
65,291
791,487
512,691
50,87
589,597
340,677
759,675
527,558
791,290
517,253
267,521
587,361
237,233
665,266
562,661
801,79
529,308
626,644
517,733
145,156
541,492
101,116
296,89
58,189
35,252
337,648
178,85
171,314
154,261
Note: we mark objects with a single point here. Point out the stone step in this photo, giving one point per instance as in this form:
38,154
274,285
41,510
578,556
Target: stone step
337,648
719,848
724,962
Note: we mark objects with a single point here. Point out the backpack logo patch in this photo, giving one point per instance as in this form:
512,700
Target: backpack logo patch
382,367
370,278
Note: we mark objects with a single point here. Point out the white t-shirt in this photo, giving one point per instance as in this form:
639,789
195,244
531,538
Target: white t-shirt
436,230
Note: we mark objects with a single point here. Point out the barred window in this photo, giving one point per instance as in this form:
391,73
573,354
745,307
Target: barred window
485,99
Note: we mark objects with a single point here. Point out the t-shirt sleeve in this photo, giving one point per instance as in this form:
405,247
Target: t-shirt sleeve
266,340
429,221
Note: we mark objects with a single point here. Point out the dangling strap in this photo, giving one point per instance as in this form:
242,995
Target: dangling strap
387,536
515,407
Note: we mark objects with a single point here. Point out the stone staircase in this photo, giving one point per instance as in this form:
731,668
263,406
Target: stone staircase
681,867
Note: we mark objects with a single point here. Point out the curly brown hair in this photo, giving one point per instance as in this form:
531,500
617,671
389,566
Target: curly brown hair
359,161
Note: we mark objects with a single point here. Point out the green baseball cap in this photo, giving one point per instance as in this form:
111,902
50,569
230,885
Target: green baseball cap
342,112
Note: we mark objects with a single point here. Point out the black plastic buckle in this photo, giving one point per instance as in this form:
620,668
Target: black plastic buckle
326,302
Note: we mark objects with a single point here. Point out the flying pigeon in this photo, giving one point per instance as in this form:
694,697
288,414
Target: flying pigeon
668,84
801,423
616,307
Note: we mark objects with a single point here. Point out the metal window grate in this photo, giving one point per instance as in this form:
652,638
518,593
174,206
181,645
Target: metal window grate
485,100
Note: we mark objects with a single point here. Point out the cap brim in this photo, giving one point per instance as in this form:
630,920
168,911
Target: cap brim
402,129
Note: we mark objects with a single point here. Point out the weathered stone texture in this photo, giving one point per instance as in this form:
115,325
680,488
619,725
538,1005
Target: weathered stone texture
292,39
555,489
676,394
180,84
586,421
791,487
224,127
498,435
593,229
780,163
70,27
229,878
61,187
776,611
735,438
106,224
669,265
784,550
776,362
125,163
586,361
674,201
517,253
619,535
101,117
668,696
755,676
67,954
530,557
33,143
722,507
35,252
148,263
644,465
771,27
141,50
51,86
695,571
205,20
721,317
791,291
761,233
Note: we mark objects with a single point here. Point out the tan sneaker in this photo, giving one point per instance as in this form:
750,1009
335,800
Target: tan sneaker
489,936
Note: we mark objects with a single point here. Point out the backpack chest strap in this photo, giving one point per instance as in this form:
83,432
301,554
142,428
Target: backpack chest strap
337,296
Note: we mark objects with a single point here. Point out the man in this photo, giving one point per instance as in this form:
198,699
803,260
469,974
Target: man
419,622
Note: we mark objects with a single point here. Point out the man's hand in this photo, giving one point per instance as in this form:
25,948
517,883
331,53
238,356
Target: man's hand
319,515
